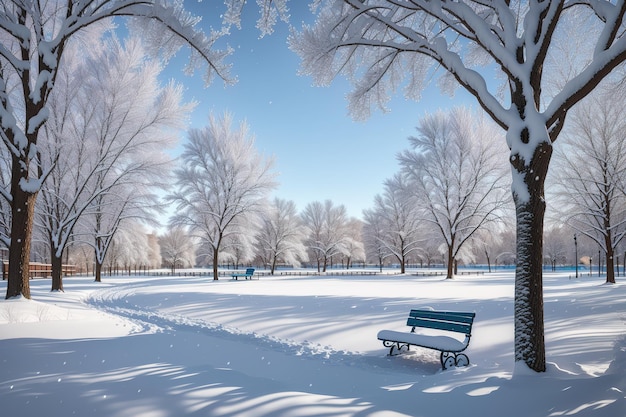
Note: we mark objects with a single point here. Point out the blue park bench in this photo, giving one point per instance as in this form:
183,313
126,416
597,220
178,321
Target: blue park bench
446,321
248,274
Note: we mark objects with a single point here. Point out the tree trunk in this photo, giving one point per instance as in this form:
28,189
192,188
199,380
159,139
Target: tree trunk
450,274
530,210
215,253
98,271
610,263
57,271
23,214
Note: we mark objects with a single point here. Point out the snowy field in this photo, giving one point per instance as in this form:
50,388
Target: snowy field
302,346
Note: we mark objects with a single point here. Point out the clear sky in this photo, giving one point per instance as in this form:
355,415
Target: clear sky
320,152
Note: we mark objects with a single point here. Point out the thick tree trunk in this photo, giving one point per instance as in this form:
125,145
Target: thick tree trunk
57,272
23,214
98,272
530,210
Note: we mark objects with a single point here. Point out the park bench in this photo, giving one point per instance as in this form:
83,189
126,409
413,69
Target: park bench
443,322
248,274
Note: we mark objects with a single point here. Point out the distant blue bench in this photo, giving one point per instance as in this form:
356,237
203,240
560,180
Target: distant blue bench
248,274
446,321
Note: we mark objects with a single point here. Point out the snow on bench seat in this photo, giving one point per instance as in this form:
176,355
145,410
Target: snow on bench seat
442,322
441,343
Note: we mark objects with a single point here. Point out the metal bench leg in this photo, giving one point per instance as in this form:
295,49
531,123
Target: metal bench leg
450,359
396,347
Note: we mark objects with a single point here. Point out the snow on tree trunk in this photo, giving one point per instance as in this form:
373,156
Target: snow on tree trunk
530,205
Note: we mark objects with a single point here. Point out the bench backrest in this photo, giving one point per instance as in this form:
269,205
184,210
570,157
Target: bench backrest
452,321
250,271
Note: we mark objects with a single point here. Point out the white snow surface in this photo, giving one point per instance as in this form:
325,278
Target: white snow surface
302,346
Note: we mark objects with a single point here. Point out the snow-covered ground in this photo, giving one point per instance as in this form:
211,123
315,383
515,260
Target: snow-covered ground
302,346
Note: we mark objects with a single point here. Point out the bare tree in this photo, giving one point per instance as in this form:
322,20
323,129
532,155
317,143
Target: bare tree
33,38
129,247
221,185
591,173
154,252
382,45
354,247
326,224
281,235
177,249
556,239
399,221
456,177
373,237
110,125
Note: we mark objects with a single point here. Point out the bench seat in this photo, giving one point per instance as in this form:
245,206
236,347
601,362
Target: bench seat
441,343
442,324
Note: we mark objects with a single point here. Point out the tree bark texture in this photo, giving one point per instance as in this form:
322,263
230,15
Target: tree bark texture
216,252
23,215
98,272
451,261
610,262
529,321
57,272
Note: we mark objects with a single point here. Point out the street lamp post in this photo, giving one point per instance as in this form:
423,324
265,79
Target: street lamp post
576,254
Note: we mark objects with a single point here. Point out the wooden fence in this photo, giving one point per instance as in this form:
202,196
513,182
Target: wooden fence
40,270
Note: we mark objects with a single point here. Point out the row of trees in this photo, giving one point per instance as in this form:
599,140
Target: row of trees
103,147
449,202
34,37
380,46
110,124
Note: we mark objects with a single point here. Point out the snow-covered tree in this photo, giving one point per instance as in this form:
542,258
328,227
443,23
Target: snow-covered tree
112,211
486,242
456,176
326,231
129,248
353,244
281,235
154,252
399,220
177,249
558,247
33,38
221,186
591,172
373,237
109,127
385,45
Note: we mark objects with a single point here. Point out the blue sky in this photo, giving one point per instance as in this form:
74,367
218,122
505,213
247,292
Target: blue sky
320,152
